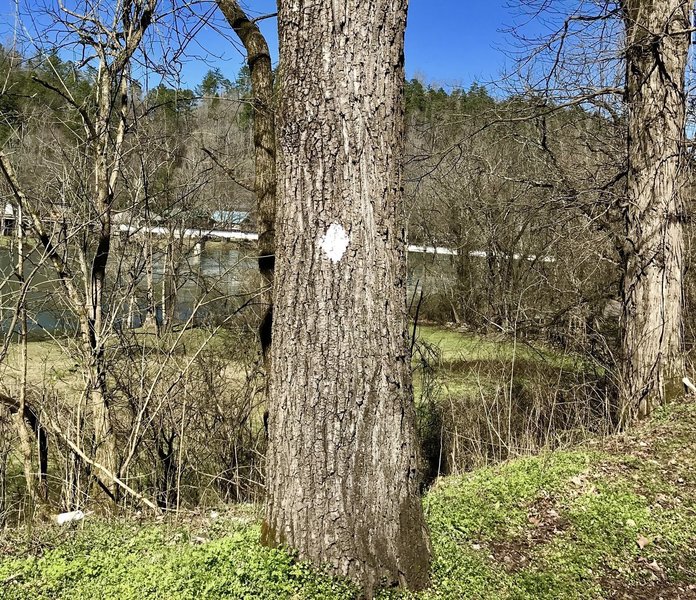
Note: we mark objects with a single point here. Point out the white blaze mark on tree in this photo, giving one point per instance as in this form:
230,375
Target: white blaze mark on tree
334,242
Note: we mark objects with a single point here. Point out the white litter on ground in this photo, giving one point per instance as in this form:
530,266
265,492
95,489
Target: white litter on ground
70,517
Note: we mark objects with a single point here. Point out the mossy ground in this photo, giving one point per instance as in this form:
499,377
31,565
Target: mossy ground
613,518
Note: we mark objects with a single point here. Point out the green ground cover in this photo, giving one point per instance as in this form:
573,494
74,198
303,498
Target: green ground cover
613,518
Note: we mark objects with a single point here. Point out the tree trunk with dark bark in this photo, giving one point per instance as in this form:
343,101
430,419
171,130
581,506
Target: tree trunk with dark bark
657,46
261,71
21,410
342,481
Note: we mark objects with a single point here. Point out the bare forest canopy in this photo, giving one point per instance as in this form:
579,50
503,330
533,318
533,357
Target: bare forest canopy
485,177
524,193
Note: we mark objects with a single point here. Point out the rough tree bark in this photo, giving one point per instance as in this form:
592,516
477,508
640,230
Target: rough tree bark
342,481
657,46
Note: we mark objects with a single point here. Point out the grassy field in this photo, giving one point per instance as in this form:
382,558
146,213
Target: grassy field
468,361
612,518
52,362
458,354
456,346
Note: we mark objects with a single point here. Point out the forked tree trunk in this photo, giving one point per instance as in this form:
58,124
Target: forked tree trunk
342,481
106,172
657,49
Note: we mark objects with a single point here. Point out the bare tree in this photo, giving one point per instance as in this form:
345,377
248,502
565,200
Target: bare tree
109,46
626,63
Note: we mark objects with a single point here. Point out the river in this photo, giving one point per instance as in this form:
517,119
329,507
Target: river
206,286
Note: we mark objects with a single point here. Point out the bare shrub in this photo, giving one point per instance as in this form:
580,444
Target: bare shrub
480,411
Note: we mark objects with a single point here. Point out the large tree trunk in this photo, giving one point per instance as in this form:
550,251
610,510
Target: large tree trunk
656,58
342,481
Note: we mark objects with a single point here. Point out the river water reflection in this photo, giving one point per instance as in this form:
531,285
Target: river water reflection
208,282
206,285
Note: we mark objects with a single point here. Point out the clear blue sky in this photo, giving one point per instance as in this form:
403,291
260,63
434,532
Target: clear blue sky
448,42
